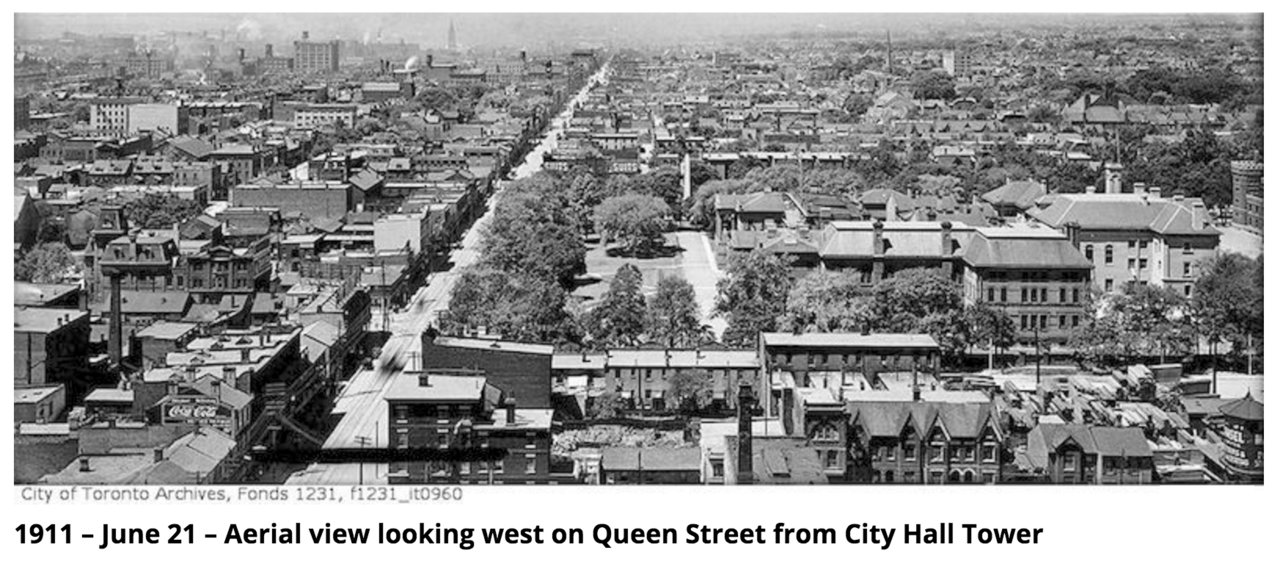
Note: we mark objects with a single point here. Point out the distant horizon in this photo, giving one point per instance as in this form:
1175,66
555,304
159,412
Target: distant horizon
537,29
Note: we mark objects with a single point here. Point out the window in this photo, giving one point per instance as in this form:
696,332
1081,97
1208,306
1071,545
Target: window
1022,320
1142,244
989,478
988,452
497,467
888,476
1088,251
1004,295
1024,294
530,467
1069,462
908,477
1075,295
1133,244
826,433
909,451
1044,294
1142,263
890,453
1108,254
1132,262
1186,269
991,295
1109,284
833,459
1075,321
1186,247
1062,295
937,452
717,468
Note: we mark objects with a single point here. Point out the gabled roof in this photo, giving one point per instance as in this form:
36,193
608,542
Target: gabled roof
890,418
1106,441
1021,194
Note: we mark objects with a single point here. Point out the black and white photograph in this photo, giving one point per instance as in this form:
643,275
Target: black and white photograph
415,252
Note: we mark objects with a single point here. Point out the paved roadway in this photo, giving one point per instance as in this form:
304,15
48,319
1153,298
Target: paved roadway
362,398
698,261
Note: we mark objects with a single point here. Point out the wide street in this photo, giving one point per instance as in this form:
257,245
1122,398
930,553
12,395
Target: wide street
361,400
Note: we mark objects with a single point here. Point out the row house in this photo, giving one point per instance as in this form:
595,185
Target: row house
924,443
833,360
642,378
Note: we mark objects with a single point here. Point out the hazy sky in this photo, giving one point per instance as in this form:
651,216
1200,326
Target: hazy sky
533,30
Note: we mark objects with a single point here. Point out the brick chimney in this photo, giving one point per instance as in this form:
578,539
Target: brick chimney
1111,177
1073,233
915,383
510,406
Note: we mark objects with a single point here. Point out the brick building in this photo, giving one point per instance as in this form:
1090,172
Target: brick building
929,443
462,418
1035,275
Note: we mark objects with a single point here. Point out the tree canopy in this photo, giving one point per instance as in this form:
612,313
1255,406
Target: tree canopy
752,296
155,210
674,319
635,221
49,262
619,318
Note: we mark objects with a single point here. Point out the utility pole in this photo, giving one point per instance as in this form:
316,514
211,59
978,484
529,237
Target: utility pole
364,441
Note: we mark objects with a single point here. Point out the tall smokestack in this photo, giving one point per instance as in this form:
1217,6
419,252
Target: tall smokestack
746,403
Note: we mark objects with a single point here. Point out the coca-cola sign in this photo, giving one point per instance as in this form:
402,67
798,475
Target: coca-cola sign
198,411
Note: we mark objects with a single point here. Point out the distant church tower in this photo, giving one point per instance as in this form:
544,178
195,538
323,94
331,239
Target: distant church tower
889,52
453,37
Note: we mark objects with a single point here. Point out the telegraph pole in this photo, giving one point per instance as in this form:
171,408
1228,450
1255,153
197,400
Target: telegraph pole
364,441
